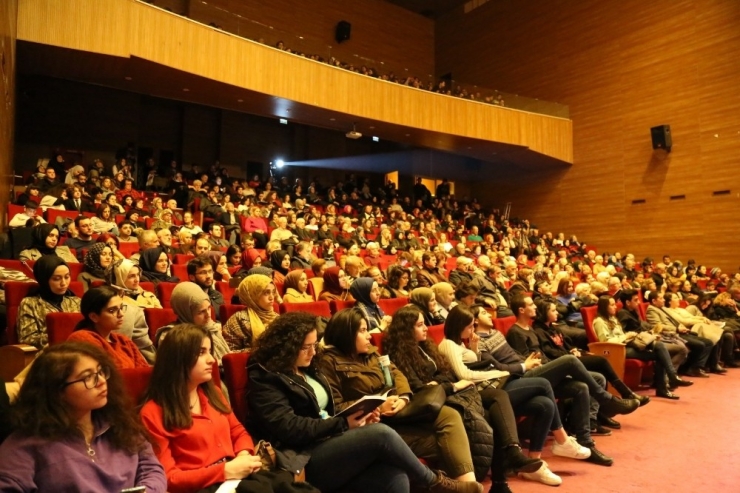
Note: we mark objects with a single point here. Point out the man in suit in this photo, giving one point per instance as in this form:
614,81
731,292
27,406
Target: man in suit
76,202
230,222
699,348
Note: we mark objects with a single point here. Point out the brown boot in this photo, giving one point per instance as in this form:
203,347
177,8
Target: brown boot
443,484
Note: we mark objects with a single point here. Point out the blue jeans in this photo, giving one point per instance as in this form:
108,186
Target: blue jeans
534,397
369,459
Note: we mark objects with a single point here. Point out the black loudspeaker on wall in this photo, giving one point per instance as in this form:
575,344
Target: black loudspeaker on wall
662,137
343,31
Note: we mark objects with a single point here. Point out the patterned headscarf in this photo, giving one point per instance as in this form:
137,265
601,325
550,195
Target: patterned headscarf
92,260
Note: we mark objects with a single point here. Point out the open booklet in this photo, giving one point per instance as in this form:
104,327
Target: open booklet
366,404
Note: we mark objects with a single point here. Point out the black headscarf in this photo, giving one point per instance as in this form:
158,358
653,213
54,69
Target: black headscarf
148,262
39,235
276,260
43,269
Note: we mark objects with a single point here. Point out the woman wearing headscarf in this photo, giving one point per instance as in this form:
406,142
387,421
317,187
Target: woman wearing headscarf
280,261
335,285
97,259
241,331
124,276
155,266
425,299
367,293
251,258
192,306
296,284
45,241
52,295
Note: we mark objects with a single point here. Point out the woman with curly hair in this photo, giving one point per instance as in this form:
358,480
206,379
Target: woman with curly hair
290,403
398,280
75,430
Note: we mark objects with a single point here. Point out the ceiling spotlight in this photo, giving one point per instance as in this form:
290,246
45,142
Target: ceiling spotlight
279,163
376,139
283,121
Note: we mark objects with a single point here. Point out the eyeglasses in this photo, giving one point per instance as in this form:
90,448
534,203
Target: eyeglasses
93,379
117,309
308,347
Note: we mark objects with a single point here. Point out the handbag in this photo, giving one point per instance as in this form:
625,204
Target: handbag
268,457
424,406
643,340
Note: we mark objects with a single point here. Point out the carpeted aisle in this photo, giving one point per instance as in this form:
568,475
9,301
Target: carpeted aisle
690,445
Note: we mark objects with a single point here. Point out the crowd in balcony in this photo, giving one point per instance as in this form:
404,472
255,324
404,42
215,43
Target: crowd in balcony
485,319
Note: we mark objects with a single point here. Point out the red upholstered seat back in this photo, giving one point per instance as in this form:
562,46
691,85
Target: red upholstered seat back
236,379
60,325
391,305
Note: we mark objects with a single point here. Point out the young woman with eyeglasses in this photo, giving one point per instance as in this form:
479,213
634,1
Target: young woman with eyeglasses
103,311
75,430
291,405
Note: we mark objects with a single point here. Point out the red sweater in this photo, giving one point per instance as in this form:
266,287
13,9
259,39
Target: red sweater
190,456
121,349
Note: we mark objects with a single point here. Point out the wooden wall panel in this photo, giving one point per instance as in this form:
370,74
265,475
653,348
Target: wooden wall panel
100,26
8,34
622,67
381,32
163,38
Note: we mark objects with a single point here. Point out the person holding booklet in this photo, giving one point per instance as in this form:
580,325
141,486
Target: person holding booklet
352,368
291,405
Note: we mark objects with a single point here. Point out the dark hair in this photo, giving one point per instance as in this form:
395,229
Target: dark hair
465,289
401,345
278,346
341,331
80,218
31,204
231,251
602,306
127,221
198,262
653,295
42,412
395,273
176,355
518,302
94,301
627,295
542,308
457,320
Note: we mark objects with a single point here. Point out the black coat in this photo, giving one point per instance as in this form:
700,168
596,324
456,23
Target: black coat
284,411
